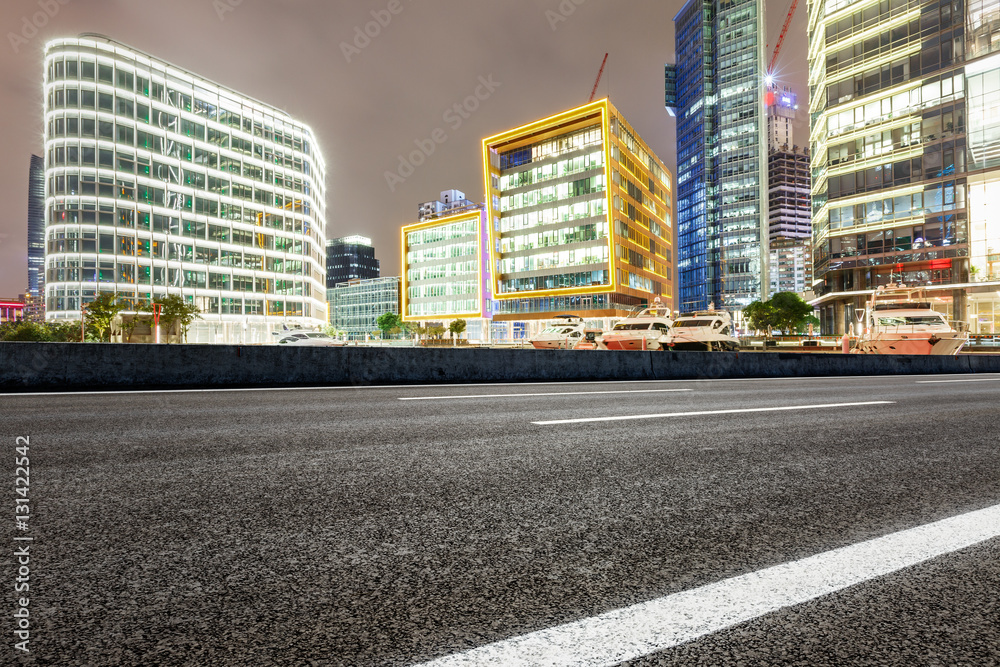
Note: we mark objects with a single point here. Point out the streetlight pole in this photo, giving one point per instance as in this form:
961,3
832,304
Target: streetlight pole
83,321
157,309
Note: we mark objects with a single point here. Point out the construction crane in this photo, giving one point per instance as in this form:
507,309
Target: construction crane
781,38
594,91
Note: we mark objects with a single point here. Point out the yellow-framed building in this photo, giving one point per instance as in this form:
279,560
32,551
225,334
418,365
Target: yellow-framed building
442,262
580,217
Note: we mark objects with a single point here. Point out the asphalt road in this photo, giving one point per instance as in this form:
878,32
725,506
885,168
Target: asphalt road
346,526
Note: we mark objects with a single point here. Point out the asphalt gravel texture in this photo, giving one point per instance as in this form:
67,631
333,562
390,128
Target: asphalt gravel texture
344,526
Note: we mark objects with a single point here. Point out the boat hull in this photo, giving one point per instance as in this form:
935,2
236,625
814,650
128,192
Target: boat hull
941,344
552,344
630,343
703,346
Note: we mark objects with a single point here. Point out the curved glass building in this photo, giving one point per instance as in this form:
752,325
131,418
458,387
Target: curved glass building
158,181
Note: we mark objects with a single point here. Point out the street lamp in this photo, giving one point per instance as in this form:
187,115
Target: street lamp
157,309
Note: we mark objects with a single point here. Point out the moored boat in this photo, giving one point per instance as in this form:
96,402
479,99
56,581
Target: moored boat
704,330
897,321
642,331
565,333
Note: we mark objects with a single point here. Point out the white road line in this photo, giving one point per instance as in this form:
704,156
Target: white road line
642,629
465,384
551,393
708,412
971,380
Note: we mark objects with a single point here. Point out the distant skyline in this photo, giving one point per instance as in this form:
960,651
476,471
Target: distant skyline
400,93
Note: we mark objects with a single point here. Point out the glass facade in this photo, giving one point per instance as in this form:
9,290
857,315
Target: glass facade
906,149
36,230
355,306
581,216
160,182
442,271
350,258
721,154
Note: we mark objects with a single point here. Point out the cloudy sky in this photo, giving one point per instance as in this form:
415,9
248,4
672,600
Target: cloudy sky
368,102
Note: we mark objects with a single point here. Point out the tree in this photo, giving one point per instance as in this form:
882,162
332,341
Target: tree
435,329
387,322
334,332
129,325
24,331
760,315
101,312
176,310
790,311
457,327
48,332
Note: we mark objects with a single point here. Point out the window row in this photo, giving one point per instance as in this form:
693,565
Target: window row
438,308
552,260
443,233
128,218
552,170
940,160
552,193
915,237
451,288
442,252
557,281
556,214
108,271
554,237
450,270
205,103
940,198
165,144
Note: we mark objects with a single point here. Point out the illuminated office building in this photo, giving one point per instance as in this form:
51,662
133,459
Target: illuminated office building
356,305
36,236
716,90
161,182
580,216
791,266
350,258
444,276
906,154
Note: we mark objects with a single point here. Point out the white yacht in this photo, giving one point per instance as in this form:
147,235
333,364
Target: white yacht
565,333
642,331
705,330
896,321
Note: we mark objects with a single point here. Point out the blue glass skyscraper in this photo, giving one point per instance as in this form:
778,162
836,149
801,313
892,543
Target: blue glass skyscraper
717,86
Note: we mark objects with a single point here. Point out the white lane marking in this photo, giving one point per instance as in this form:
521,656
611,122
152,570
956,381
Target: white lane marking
551,393
970,380
633,632
708,412
830,378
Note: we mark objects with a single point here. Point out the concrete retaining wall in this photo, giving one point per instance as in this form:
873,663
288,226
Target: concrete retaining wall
65,366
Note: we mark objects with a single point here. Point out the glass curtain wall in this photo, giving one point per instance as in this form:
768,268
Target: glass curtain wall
159,182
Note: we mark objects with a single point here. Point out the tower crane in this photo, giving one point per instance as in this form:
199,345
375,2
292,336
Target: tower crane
781,38
603,62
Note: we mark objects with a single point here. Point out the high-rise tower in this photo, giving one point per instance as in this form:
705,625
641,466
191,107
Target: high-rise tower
717,89
36,231
906,154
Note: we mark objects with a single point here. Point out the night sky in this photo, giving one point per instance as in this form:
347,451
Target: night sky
368,105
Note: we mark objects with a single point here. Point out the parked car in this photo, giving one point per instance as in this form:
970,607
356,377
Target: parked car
310,339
